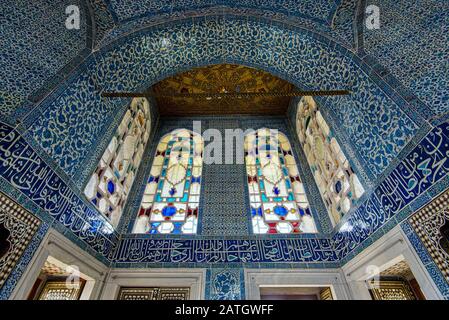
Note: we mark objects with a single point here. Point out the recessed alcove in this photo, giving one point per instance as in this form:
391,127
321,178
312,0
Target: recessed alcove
222,150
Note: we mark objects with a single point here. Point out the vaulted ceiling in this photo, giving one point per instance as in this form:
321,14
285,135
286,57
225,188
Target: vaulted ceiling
222,78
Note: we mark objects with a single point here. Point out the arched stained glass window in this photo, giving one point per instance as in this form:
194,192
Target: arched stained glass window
278,200
109,185
172,193
338,184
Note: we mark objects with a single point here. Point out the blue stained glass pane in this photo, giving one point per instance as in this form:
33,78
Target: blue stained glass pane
264,198
280,211
94,201
196,179
288,184
278,199
158,197
177,227
281,160
301,211
99,196
261,185
290,197
169,211
152,178
285,171
95,225
111,187
256,211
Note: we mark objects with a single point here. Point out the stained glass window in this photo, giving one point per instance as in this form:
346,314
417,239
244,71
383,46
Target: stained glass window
172,193
338,184
278,200
109,185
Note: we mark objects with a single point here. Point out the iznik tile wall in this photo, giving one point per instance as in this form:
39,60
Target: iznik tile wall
27,176
224,203
225,284
321,10
379,119
35,46
421,176
66,130
412,44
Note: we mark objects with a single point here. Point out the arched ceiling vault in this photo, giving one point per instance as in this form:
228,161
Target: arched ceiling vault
67,124
51,81
221,78
310,52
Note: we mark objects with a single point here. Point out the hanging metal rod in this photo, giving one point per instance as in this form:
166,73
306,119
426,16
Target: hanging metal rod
221,95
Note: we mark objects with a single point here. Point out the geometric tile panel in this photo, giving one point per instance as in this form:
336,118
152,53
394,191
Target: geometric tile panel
392,290
427,224
17,227
400,269
51,269
224,213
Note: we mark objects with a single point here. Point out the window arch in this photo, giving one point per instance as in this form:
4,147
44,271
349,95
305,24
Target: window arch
109,185
172,193
336,180
278,200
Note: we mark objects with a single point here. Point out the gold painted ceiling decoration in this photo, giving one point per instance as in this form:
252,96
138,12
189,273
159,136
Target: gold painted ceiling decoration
51,269
222,78
400,269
